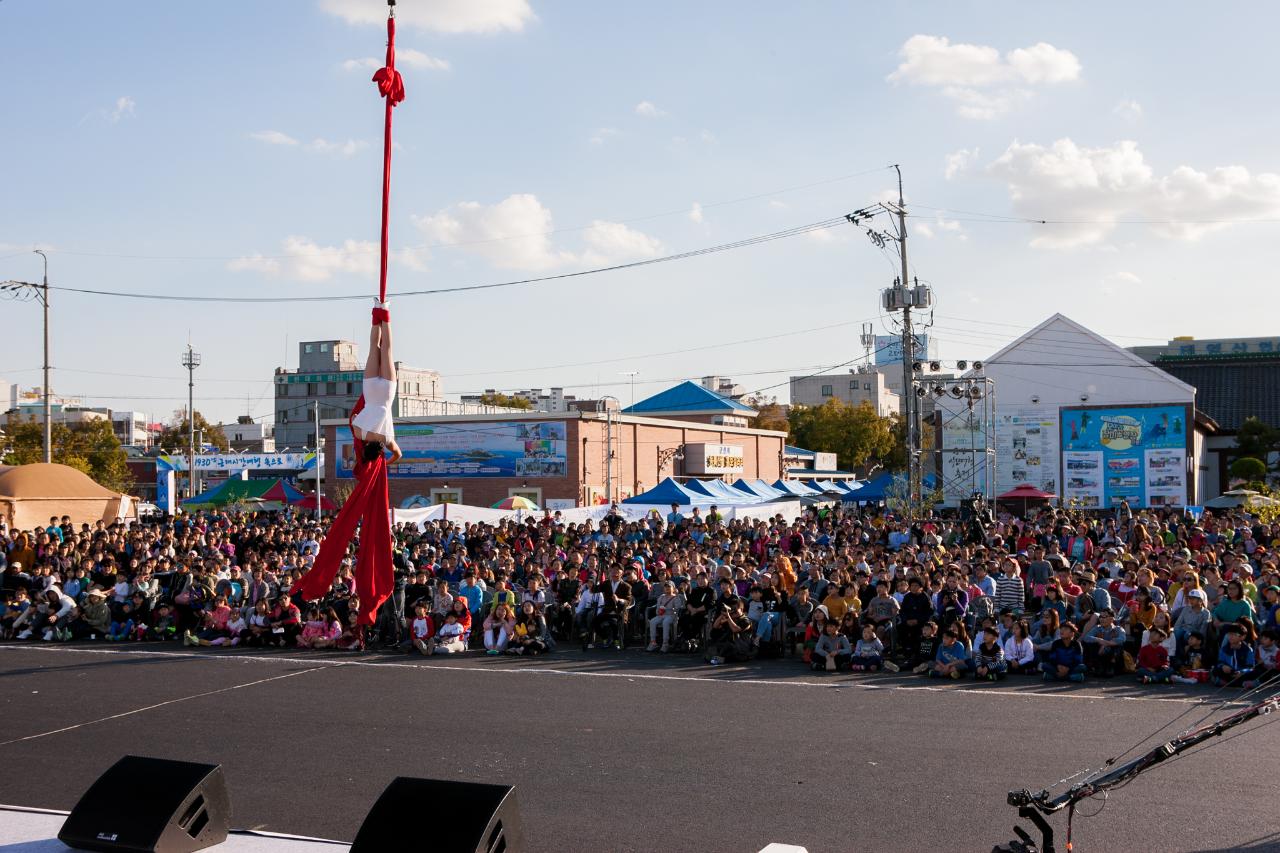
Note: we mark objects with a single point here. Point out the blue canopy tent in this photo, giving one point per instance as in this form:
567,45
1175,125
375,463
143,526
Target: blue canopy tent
760,489
875,489
670,492
848,486
825,486
796,488
720,492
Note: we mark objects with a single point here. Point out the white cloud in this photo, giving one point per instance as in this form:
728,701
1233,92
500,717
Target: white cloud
615,243
695,213
647,109
1093,188
1125,276
708,137
959,161
337,149
602,134
440,16
273,137
125,106
1129,110
302,259
515,233
405,57
922,229
982,83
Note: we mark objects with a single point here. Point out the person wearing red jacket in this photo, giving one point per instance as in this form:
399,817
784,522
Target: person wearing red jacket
1153,659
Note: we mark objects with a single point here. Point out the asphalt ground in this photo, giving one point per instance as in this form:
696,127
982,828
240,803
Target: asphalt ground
621,751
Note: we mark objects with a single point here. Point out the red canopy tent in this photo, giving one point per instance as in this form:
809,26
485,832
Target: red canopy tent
1026,493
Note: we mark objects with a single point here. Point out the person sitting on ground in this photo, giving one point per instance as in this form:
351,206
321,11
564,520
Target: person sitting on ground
285,622
449,639
163,624
814,631
1268,666
953,659
213,625
868,654
421,631
235,627
498,628
882,611
925,650
1019,653
1153,658
94,618
832,651
1235,660
988,656
258,630
728,641
1065,659
312,628
1193,617
330,633
530,633
1104,646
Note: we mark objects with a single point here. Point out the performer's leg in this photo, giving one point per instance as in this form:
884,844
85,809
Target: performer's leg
386,366
373,364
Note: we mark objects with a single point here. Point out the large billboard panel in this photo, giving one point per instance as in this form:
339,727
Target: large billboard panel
1126,453
1027,448
522,449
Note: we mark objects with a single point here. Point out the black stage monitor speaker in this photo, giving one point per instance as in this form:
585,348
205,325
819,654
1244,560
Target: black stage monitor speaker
152,805
435,815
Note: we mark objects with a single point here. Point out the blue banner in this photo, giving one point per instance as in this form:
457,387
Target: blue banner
524,449
1127,453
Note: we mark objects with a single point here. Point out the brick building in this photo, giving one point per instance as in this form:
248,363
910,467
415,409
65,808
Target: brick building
560,459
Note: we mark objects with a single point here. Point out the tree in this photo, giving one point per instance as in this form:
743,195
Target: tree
771,415
495,398
856,434
1258,440
897,497
90,446
174,436
1249,469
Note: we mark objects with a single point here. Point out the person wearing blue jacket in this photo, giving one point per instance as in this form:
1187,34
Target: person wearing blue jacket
1235,660
954,658
1065,659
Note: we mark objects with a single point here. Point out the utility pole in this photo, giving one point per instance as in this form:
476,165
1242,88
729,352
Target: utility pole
191,360
608,443
903,296
319,462
633,374
48,405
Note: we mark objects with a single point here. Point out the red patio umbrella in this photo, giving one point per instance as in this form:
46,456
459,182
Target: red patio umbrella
1026,493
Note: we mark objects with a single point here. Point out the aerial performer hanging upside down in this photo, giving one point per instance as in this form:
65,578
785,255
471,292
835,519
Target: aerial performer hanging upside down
372,429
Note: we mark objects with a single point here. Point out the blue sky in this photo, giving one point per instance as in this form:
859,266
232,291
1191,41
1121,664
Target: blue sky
234,149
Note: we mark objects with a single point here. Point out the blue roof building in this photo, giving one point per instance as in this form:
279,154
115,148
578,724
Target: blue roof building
689,401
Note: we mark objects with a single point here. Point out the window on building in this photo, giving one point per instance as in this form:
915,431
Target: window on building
853,385
282,416
866,386
308,348
446,496
350,386
532,494
311,388
331,388
324,348
826,390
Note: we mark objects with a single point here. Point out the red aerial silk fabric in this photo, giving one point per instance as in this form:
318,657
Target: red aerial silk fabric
368,507
391,87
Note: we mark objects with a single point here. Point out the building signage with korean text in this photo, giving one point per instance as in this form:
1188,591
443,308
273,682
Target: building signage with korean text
1136,454
713,459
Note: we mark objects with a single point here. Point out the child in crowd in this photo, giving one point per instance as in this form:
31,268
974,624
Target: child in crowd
312,628
868,655
1065,659
420,632
926,649
13,609
449,637
1019,653
988,657
1153,658
953,659
1268,667
813,632
1104,645
832,651
1235,660
163,626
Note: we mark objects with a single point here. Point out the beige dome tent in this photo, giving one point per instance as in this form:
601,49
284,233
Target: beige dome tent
31,494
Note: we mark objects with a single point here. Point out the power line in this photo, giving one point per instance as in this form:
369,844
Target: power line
723,247
464,243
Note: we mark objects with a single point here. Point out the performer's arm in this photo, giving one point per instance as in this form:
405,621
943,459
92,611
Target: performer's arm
395,452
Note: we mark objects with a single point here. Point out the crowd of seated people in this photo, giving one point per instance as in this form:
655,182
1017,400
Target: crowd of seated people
1157,595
